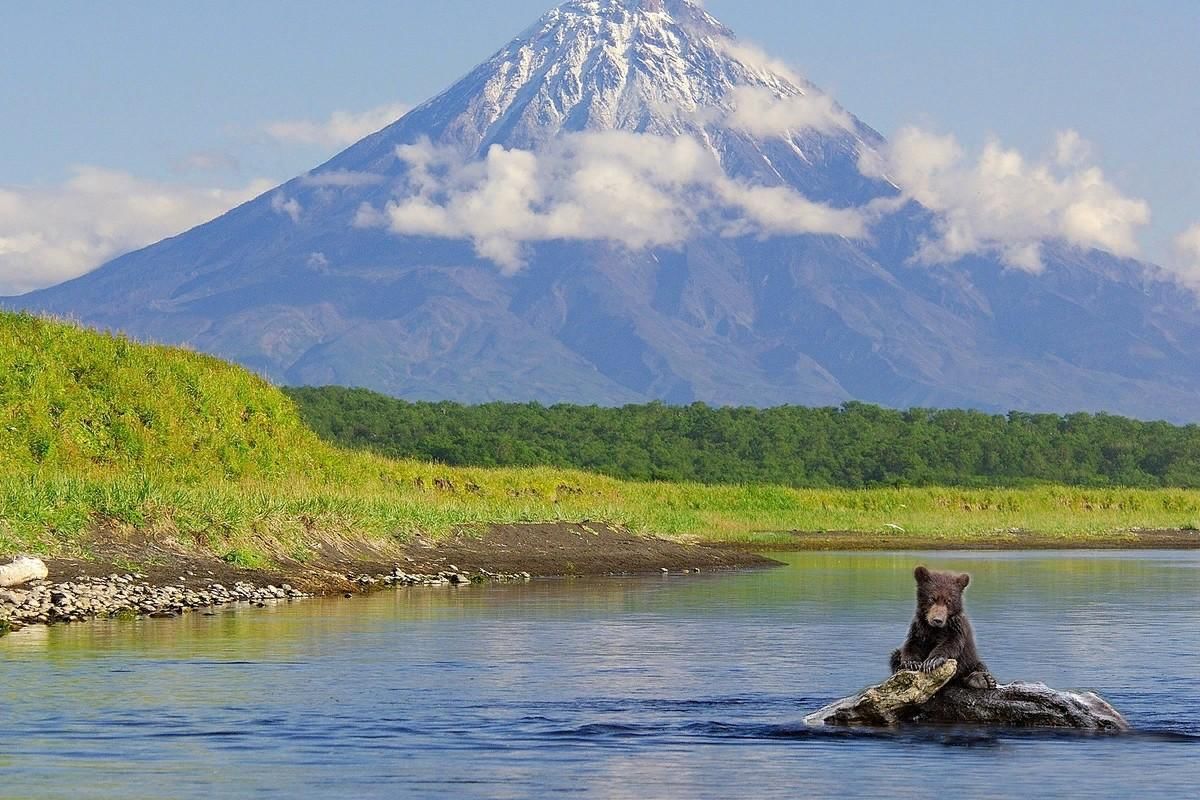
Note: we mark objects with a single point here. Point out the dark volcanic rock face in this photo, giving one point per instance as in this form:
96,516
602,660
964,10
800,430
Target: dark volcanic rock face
311,297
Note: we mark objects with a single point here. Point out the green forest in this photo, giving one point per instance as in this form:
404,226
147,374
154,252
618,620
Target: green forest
852,446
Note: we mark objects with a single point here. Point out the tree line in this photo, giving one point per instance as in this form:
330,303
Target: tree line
855,445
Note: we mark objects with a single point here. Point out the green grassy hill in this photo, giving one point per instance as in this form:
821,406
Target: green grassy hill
98,433
75,402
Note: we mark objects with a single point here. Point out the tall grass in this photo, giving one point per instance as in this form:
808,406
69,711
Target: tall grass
96,430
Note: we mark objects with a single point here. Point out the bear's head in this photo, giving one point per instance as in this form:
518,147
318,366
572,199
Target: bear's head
939,595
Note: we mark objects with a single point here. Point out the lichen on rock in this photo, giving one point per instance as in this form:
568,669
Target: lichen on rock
885,704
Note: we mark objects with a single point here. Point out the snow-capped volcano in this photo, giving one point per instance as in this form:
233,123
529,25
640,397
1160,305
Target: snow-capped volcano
627,203
649,67
646,67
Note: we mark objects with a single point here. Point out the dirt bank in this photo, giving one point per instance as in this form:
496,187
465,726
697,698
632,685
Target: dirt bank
566,549
543,550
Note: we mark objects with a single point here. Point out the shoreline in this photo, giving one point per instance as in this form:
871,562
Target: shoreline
135,578
799,541
132,577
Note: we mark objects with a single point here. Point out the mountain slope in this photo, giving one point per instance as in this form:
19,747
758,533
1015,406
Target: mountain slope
349,275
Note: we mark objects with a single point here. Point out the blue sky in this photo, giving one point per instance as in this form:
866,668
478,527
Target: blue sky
199,104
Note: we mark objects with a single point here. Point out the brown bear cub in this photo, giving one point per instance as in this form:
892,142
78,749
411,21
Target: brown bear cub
941,631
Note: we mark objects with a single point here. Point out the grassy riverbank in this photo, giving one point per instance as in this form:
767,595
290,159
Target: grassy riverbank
101,437
253,518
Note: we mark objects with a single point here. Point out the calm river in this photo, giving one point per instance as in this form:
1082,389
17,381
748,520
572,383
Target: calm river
680,686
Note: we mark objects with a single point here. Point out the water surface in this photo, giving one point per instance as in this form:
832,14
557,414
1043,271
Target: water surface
624,687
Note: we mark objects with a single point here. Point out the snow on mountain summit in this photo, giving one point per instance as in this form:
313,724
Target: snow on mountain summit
650,66
663,68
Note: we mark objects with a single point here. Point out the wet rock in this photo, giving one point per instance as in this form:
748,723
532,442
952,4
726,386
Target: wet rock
447,577
1021,705
123,597
915,698
884,705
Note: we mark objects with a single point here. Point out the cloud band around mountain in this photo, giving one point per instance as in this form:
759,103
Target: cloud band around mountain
638,190
1186,267
1003,204
643,190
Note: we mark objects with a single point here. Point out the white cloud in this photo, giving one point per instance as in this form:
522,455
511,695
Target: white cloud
758,61
340,129
287,206
760,112
637,190
50,234
1006,205
777,100
1186,268
1071,149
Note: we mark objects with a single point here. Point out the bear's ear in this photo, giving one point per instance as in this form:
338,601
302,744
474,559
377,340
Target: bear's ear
963,580
922,574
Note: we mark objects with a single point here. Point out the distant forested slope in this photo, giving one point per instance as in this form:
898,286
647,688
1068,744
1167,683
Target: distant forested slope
855,445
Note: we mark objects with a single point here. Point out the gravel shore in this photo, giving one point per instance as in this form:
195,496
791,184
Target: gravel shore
131,596
174,582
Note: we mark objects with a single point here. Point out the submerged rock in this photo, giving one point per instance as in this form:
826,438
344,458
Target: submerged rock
914,698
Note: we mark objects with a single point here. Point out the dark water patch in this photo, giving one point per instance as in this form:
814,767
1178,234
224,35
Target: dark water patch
935,735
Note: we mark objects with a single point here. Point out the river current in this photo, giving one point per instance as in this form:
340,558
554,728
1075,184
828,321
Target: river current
673,686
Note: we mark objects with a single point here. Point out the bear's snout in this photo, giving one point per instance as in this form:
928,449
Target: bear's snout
937,615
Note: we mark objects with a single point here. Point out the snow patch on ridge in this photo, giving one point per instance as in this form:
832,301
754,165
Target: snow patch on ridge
664,67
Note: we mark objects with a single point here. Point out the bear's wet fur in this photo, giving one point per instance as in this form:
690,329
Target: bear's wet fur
941,631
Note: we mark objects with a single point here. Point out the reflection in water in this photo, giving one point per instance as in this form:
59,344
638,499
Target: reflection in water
617,687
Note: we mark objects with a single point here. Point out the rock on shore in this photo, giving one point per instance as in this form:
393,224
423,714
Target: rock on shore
23,569
451,576
42,602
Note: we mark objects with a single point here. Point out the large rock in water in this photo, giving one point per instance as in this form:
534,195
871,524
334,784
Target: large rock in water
908,698
1020,705
888,703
